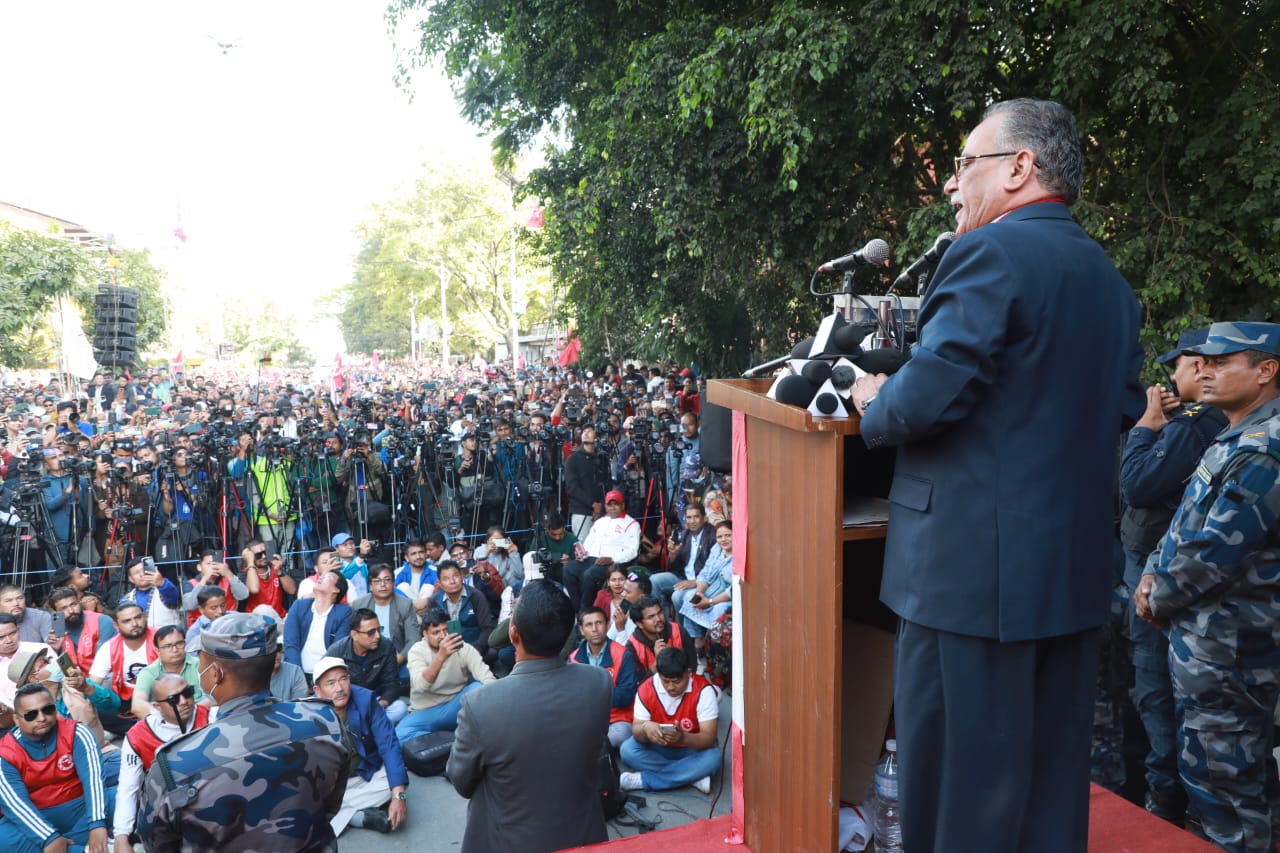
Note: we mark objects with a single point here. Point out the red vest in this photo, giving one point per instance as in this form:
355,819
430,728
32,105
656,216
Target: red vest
50,781
644,653
616,653
82,652
269,593
193,615
116,647
686,715
145,742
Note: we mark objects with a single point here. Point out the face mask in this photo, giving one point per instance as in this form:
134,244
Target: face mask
55,675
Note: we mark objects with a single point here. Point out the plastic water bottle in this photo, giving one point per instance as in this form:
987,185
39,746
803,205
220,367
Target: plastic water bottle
887,827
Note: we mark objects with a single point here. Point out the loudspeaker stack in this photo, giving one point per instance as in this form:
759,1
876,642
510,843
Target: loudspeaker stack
115,311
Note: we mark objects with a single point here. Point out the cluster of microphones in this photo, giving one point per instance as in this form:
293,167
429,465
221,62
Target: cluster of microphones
820,371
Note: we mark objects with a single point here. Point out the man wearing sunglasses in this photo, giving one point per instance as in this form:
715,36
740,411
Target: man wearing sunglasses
174,712
267,775
371,662
51,784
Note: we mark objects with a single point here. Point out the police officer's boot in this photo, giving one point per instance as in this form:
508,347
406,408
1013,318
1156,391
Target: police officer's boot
1169,804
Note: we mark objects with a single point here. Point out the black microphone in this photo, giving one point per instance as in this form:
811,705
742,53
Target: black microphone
875,252
848,339
800,350
794,390
926,261
816,372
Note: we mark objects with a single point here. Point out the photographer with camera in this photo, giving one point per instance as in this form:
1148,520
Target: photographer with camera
69,420
67,495
585,483
478,491
551,548
361,473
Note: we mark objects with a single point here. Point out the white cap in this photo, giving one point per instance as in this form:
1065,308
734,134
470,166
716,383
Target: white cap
325,664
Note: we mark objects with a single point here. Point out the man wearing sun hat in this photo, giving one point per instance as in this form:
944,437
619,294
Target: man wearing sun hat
1215,583
268,775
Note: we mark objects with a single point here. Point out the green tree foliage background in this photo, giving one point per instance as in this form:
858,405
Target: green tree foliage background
36,269
455,225
706,157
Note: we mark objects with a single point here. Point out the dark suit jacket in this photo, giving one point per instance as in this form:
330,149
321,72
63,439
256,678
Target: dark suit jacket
1007,419
681,557
525,755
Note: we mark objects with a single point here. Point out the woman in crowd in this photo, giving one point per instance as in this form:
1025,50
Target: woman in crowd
714,594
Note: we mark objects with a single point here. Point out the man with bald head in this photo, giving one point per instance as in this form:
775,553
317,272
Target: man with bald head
173,712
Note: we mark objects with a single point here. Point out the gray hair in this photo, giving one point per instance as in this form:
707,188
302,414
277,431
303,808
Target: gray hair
1048,130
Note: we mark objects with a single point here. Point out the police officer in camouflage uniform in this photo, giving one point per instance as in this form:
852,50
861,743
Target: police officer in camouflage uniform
1215,581
268,775
1162,450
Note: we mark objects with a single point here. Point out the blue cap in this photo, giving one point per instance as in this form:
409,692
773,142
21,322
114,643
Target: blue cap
338,539
1228,338
1188,339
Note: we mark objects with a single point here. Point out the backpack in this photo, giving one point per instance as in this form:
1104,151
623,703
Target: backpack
427,755
612,798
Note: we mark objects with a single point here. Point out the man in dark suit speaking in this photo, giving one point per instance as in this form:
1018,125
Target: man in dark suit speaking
1007,420
527,746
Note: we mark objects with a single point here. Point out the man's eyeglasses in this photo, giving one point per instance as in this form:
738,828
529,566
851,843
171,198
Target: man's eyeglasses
383,579
962,162
48,711
187,692
173,647
259,554
371,633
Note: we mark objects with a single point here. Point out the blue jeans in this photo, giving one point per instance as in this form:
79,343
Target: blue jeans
439,718
1153,689
665,767
71,819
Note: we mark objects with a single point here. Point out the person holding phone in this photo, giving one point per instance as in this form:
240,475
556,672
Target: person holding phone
502,554
154,593
442,669
673,739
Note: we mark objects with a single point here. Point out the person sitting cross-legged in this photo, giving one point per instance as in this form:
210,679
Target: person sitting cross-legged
380,777
51,783
442,669
673,730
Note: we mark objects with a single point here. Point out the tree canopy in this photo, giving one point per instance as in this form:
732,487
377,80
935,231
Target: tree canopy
37,269
705,158
453,229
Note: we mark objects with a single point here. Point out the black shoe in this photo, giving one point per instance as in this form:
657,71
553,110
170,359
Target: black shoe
377,820
1168,805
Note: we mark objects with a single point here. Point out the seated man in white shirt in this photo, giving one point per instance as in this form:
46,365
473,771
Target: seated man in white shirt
673,739
174,711
613,539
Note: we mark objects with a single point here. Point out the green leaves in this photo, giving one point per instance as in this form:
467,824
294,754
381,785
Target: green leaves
713,154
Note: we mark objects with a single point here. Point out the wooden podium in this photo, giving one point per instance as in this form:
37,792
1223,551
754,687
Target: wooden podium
815,643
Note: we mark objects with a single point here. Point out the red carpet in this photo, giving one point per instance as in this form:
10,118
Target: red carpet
1118,826
1115,826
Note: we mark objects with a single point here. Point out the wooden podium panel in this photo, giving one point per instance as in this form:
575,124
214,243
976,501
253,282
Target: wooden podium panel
791,634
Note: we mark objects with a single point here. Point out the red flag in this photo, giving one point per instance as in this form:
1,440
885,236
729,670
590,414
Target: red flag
535,218
569,354
376,360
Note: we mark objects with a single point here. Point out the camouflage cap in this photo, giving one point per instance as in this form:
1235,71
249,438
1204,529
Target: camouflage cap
1228,338
1188,339
239,635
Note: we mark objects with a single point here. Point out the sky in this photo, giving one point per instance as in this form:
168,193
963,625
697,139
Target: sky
129,117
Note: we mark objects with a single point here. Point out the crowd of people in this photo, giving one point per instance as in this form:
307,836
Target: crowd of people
190,558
